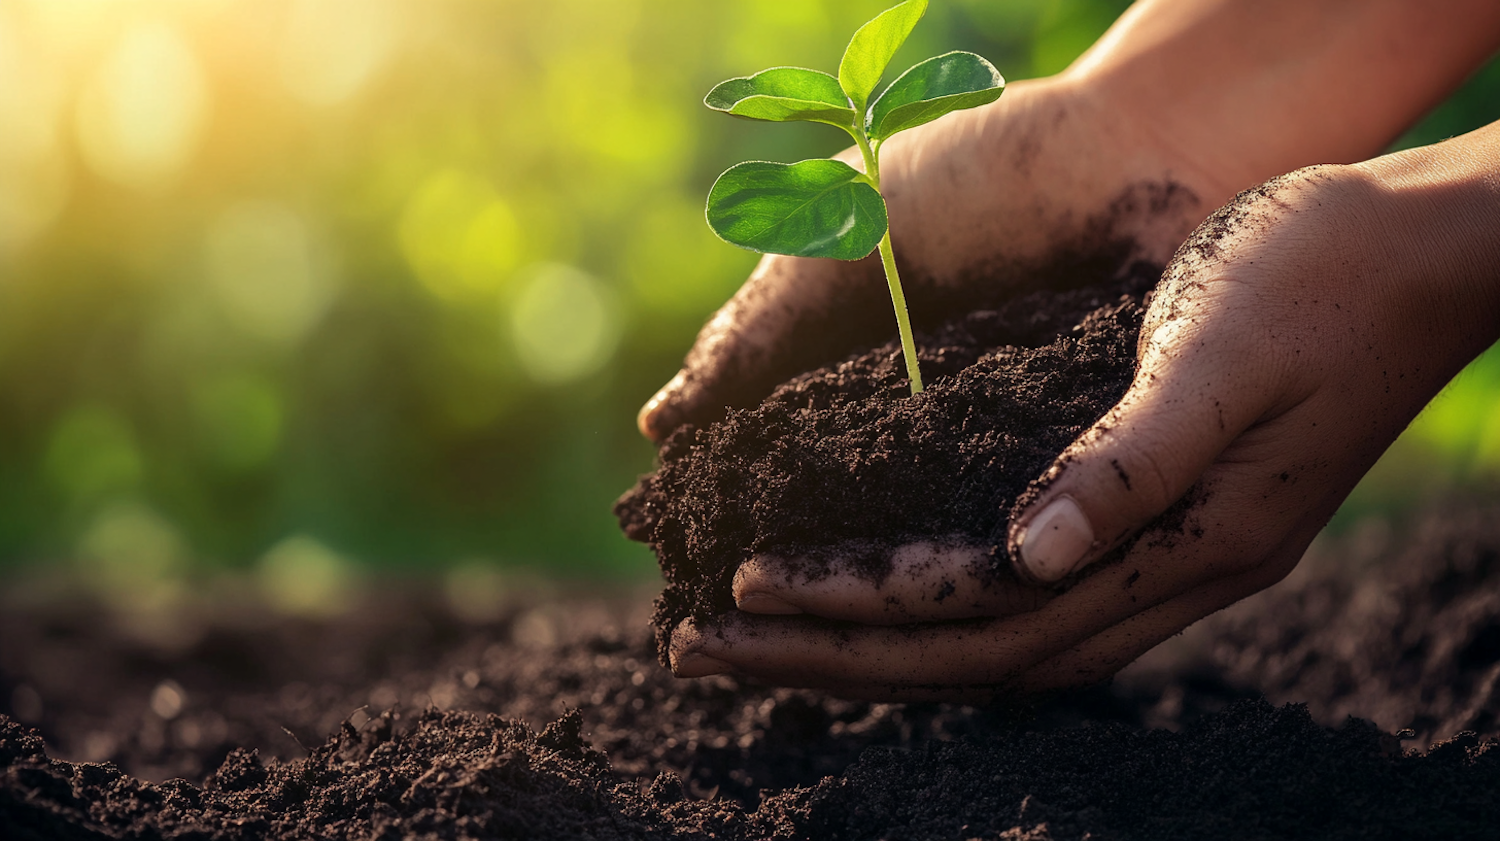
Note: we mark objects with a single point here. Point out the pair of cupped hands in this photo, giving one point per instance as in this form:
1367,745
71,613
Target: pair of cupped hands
1295,333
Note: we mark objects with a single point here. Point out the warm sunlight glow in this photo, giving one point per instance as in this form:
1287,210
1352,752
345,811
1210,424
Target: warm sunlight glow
564,324
140,118
333,47
33,172
272,280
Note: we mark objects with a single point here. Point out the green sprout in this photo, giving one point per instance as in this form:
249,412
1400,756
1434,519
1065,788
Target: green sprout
826,208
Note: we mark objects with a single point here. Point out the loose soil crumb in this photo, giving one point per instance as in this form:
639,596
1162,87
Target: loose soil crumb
844,461
554,722
1255,771
1416,646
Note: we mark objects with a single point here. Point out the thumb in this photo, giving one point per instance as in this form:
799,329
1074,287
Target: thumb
1132,464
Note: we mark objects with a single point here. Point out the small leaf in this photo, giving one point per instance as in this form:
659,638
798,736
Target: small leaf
937,86
817,208
872,47
784,93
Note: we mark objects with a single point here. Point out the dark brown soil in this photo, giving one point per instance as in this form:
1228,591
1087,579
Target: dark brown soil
844,460
422,726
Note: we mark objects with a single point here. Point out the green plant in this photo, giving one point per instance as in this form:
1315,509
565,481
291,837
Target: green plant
826,208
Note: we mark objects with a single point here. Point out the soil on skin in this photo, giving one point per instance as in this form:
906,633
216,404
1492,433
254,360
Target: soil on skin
553,721
844,461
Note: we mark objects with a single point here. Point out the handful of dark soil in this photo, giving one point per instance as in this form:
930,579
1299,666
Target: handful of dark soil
845,461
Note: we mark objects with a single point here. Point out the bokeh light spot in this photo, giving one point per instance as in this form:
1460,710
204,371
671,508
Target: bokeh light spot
271,280
168,699
477,590
491,240
332,48
460,238
133,558
239,420
92,453
33,174
303,577
565,324
140,118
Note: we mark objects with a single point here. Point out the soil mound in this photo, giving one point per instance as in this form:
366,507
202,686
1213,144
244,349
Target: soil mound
845,460
553,721
1400,628
1254,771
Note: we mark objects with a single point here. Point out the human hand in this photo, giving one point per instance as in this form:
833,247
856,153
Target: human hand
1294,336
1089,181
1176,108
1212,96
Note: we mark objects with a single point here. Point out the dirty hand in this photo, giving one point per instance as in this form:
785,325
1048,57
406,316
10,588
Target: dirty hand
1177,107
1275,327
1294,336
1050,152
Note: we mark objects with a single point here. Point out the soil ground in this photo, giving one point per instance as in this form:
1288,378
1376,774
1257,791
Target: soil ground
400,720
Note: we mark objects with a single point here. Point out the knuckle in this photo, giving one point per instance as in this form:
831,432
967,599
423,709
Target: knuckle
1147,474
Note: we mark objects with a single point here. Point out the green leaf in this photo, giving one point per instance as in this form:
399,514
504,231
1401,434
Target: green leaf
817,208
872,47
784,93
950,82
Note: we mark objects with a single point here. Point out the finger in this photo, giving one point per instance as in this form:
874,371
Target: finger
1246,508
1181,412
1102,655
1283,484
920,582
1099,657
849,660
792,315
964,655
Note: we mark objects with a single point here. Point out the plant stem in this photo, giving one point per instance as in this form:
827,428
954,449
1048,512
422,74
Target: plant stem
892,277
903,323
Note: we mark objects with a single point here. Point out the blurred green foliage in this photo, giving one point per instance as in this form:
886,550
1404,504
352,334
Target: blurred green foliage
314,284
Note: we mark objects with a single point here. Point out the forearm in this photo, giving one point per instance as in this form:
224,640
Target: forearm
1249,89
1441,220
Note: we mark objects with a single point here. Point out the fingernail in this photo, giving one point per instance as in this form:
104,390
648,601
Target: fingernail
693,664
765,603
1055,540
646,420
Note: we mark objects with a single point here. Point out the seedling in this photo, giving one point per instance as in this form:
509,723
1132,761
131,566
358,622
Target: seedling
826,208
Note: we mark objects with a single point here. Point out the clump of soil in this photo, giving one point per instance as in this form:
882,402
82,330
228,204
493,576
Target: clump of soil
844,460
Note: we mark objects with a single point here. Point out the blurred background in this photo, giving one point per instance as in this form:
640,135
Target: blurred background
293,290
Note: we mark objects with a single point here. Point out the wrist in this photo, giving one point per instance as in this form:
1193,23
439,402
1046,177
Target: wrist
1104,159
1251,89
1441,209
